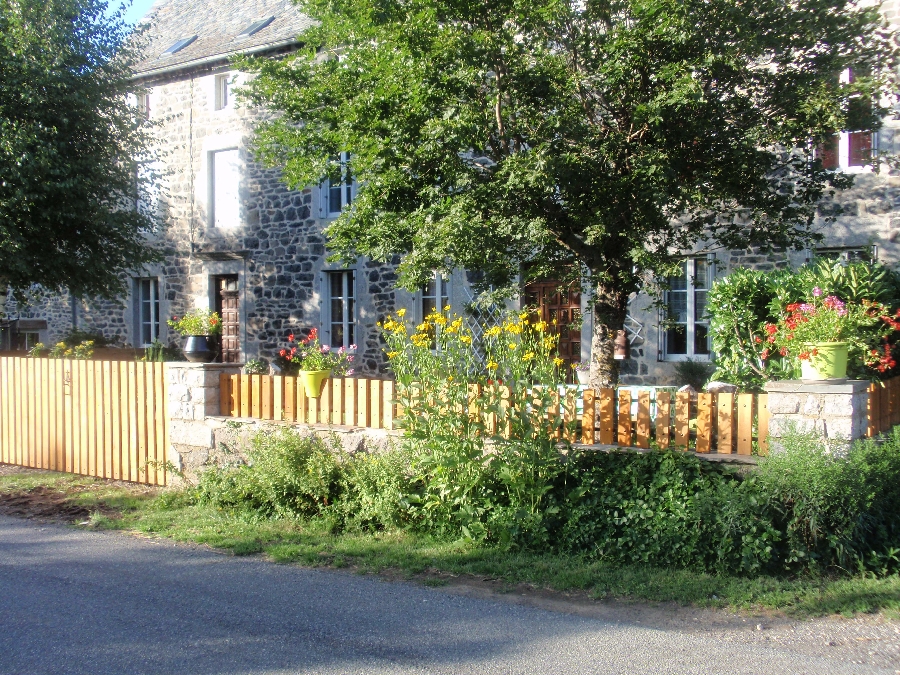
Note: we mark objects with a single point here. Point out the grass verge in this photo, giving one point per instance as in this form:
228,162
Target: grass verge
167,513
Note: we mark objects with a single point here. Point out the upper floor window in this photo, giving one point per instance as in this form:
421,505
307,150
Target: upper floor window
846,254
143,105
339,194
687,324
341,308
223,92
851,149
224,182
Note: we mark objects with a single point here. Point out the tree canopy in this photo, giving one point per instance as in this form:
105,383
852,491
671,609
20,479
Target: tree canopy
603,137
69,140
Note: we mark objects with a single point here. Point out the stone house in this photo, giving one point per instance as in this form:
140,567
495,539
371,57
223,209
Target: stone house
237,240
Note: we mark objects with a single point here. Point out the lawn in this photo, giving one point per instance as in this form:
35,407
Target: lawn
169,513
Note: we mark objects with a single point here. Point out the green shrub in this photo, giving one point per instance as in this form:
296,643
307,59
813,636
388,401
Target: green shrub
374,489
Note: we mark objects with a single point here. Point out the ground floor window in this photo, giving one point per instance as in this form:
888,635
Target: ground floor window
148,310
435,295
342,308
686,328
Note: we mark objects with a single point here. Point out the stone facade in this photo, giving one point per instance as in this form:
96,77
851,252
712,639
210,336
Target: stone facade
835,412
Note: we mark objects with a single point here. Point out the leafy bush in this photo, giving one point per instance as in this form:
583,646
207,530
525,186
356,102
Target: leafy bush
740,305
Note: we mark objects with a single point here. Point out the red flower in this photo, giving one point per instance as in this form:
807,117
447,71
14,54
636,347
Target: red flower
757,340
815,352
291,337
771,328
765,354
783,351
793,307
771,339
283,352
804,355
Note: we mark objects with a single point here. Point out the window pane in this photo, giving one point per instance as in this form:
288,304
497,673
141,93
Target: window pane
700,305
679,283
225,184
860,148
337,285
701,273
334,199
676,340
701,339
337,335
678,307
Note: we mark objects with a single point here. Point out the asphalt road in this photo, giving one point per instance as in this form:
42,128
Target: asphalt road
90,602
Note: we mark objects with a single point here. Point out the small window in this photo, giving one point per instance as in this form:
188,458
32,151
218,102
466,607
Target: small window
147,296
435,295
868,254
851,148
143,105
254,27
178,46
687,324
340,194
342,308
224,185
25,341
223,92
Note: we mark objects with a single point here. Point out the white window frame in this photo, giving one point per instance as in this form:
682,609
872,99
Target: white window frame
349,316
223,98
211,202
154,301
843,149
347,191
692,319
143,103
441,289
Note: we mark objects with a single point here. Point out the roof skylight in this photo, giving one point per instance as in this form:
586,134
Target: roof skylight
254,27
178,46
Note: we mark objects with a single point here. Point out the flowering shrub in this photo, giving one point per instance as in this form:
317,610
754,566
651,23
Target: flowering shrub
80,352
198,322
827,318
309,354
483,445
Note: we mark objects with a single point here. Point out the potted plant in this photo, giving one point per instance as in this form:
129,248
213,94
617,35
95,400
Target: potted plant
582,372
314,362
822,333
198,326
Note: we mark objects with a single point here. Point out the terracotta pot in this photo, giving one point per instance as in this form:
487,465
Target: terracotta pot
313,380
829,363
199,349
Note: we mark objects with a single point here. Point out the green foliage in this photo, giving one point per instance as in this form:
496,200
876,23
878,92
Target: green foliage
570,138
76,336
740,305
256,367
694,373
197,322
836,510
68,143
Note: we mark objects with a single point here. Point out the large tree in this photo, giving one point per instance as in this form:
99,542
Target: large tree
69,143
602,137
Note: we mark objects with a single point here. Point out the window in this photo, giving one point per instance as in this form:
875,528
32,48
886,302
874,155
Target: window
147,296
177,46
340,194
143,105
687,326
342,308
223,92
254,27
224,182
846,255
435,295
850,149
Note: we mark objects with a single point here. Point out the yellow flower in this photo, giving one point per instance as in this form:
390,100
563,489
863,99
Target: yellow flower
541,326
492,365
528,356
422,327
512,346
558,361
392,355
401,312
449,378
465,339
452,328
440,320
523,315
446,308
493,331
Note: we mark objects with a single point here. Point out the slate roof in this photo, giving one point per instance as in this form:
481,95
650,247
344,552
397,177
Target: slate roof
216,23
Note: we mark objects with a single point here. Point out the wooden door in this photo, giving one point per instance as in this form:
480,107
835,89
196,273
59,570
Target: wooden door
228,306
560,307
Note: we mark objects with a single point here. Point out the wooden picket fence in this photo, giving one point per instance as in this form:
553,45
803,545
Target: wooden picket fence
356,402
97,418
884,406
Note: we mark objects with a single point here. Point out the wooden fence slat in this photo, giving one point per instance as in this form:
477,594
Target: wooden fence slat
894,403
663,419
682,419
108,404
68,416
27,394
83,413
302,402
159,393
624,436
388,393
265,397
152,414
141,386
587,417
290,399
376,404
362,403
745,424
325,403
255,396
99,430
246,401
642,431
46,412
115,414
705,413
607,416
762,423
277,398
725,424
5,399
225,403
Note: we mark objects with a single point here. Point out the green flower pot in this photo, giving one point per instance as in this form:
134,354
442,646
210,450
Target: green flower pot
830,363
312,381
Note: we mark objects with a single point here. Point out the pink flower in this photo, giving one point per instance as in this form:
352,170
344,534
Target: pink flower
350,372
353,347
350,358
341,350
326,349
817,292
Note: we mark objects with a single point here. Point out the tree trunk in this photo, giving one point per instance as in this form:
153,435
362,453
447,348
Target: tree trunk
609,310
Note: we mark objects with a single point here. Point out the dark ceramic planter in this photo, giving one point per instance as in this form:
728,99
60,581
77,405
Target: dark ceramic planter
199,349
